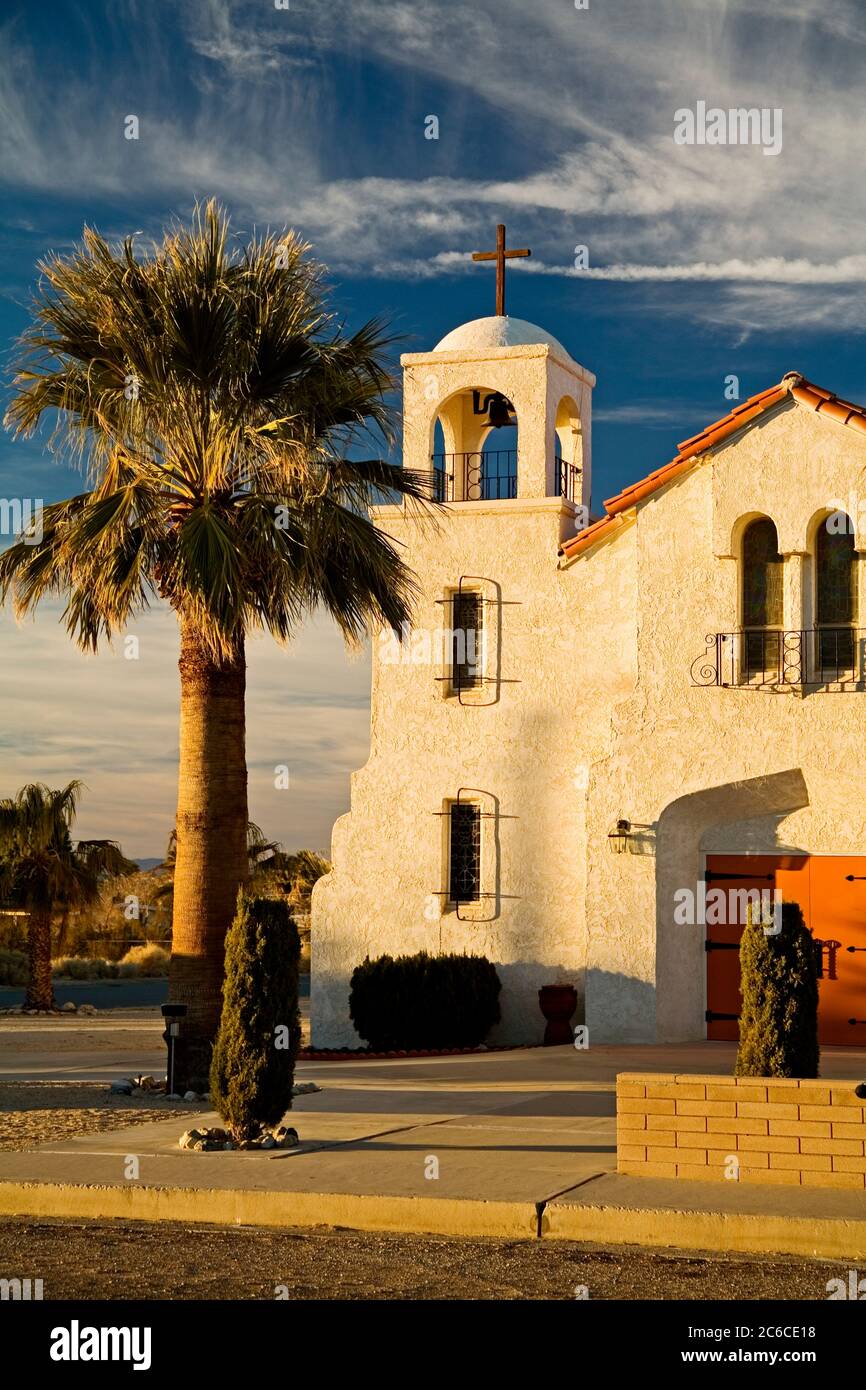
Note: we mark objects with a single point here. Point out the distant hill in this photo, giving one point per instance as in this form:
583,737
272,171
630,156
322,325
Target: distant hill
147,864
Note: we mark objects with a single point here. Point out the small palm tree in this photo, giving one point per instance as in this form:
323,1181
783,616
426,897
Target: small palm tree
42,868
263,855
302,871
218,405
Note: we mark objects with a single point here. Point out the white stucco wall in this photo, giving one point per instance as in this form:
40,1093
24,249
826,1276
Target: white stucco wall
594,718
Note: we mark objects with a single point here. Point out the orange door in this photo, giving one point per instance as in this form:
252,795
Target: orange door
839,921
831,891
730,873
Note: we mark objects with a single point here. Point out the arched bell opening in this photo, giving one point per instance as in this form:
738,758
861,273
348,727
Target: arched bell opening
475,447
568,447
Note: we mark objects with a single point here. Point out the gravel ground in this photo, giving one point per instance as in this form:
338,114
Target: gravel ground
135,1260
36,1112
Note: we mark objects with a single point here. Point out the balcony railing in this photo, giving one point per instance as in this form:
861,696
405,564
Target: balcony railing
566,480
482,477
769,658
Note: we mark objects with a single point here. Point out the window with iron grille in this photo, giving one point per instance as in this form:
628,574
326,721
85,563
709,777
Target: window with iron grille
464,872
835,599
467,630
762,600
762,576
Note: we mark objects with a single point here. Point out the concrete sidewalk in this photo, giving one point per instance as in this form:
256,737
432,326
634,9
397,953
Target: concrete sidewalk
518,1144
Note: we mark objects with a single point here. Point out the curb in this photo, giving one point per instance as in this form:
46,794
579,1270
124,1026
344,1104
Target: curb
741,1232
659,1228
359,1054
244,1207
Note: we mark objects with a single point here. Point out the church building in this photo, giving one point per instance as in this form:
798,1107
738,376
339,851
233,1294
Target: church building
602,733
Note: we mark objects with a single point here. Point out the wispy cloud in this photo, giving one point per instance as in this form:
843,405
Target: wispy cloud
600,106
652,414
243,50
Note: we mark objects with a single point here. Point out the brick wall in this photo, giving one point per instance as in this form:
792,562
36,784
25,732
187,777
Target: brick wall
810,1133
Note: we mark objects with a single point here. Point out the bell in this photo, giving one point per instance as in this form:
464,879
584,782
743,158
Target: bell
501,411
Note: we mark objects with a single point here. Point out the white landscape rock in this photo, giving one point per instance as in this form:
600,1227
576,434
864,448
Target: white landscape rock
209,1140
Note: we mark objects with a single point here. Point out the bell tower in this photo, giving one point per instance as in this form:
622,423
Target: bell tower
501,376
468,797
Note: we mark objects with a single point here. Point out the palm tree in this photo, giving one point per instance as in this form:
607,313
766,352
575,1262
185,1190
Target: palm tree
217,403
303,871
42,868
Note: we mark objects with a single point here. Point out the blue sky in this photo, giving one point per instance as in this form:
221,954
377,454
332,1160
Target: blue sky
704,261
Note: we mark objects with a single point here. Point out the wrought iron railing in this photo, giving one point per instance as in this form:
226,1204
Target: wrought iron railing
443,483
770,658
482,477
566,480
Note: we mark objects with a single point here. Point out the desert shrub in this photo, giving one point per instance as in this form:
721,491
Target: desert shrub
13,967
779,985
253,1065
145,962
83,968
421,1001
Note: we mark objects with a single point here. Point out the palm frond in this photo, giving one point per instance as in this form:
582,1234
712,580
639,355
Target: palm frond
235,438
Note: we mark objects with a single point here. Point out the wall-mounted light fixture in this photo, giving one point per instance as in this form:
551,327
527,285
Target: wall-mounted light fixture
618,838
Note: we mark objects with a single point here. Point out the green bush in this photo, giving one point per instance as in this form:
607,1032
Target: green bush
147,962
13,967
402,1003
253,1065
779,985
84,968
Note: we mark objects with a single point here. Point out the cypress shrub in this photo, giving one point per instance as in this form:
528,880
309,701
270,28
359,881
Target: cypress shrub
779,985
251,1074
416,1002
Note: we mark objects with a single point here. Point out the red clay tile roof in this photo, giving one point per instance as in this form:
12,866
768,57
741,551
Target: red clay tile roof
792,384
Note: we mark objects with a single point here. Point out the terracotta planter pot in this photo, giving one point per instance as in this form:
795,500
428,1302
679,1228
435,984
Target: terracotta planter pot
557,1003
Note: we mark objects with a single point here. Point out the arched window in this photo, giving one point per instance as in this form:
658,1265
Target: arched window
835,597
762,600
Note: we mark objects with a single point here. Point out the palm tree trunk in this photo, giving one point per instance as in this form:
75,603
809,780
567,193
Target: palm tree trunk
211,861
40,990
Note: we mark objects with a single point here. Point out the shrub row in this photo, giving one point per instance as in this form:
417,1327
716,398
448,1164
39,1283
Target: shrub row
402,1003
140,962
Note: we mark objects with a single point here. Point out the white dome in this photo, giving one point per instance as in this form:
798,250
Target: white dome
498,331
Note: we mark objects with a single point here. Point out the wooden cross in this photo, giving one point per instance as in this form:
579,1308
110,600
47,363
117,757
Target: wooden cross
500,256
